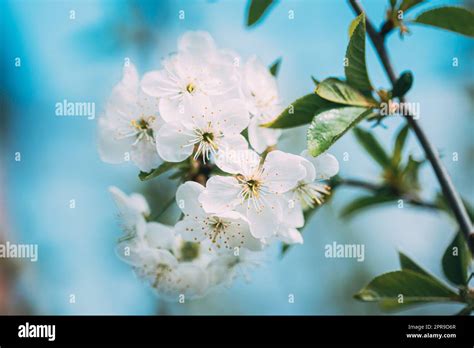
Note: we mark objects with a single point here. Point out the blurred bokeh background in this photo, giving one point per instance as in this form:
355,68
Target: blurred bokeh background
81,59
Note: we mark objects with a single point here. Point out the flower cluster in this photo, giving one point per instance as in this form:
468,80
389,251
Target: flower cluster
204,107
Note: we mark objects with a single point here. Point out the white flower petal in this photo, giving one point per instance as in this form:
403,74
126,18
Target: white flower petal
197,43
221,194
326,165
230,148
145,156
158,83
265,219
192,229
261,138
111,149
231,117
283,170
173,143
134,206
292,211
290,235
187,198
310,170
159,236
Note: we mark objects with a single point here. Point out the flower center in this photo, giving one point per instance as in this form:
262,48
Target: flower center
142,128
252,188
190,88
189,251
311,194
161,271
220,235
208,137
205,142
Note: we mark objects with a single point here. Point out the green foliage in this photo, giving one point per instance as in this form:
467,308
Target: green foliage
400,142
407,263
340,92
456,261
362,203
409,4
372,146
356,69
456,19
163,168
410,174
329,126
275,67
257,10
416,288
402,85
301,111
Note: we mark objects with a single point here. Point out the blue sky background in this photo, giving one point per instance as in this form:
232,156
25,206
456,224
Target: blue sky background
81,60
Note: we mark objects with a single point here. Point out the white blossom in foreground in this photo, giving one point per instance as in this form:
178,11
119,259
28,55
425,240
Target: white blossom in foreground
128,128
197,72
310,191
171,266
224,231
230,266
260,91
199,105
256,189
207,131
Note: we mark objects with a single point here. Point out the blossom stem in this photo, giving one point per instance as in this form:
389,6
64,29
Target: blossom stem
452,196
377,188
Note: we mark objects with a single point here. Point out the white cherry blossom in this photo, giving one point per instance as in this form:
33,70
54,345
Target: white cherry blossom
260,91
310,191
224,231
128,128
256,189
232,265
156,253
197,72
210,130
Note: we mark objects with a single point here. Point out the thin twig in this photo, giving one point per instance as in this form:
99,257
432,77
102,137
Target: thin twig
449,191
377,188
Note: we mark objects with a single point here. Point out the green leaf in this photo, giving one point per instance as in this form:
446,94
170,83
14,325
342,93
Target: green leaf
372,146
411,172
456,19
340,92
316,82
275,67
353,25
409,4
361,203
388,289
355,67
301,111
163,168
330,125
456,261
408,264
402,85
257,9
399,145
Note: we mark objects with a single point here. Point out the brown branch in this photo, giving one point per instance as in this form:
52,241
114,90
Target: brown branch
377,188
449,191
